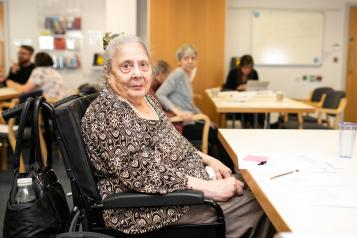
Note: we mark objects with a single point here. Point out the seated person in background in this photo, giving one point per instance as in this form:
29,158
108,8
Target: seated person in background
238,76
160,71
176,95
133,146
43,77
21,71
237,80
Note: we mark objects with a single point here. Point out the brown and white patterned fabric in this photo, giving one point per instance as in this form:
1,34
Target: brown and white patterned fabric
49,81
130,153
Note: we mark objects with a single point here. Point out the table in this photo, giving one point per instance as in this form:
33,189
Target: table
254,102
8,93
317,199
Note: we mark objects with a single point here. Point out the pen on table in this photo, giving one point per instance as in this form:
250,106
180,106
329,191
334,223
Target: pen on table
262,162
279,175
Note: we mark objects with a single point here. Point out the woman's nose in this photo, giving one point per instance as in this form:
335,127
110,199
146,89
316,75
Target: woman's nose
137,72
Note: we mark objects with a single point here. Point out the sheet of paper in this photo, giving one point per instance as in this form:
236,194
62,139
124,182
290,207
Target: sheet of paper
256,158
288,162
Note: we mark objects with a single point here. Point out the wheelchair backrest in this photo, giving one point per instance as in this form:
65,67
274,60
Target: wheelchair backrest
69,113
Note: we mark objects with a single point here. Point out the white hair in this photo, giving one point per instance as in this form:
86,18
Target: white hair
116,40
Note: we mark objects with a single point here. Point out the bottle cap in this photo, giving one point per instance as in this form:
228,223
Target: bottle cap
24,182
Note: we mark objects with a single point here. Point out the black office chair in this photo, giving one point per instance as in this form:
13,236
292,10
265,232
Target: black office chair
333,106
88,204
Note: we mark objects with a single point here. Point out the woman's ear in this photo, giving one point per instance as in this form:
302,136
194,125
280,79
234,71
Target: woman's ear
107,71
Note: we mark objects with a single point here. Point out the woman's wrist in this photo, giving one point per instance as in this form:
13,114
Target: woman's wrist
206,159
196,183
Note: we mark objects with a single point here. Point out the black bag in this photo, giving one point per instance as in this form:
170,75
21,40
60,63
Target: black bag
49,213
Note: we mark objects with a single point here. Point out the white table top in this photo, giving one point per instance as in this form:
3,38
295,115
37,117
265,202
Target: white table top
255,102
320,198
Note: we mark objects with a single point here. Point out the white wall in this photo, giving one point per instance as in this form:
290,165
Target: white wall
289,78
97,18
121,16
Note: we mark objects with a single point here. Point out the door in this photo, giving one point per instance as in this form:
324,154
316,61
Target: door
199,22
2,33
351,81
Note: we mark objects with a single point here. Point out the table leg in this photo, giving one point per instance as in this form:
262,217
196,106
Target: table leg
267,117
222,120
256,124
233,120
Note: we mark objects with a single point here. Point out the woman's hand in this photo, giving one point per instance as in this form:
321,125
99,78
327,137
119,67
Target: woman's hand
221,171
217,190
242,87
185,115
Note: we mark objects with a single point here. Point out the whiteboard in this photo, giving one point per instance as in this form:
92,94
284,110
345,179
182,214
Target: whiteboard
281,37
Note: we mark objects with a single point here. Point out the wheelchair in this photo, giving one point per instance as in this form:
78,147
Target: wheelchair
88,206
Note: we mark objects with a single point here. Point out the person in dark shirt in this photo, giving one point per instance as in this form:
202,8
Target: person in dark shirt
238,76
20,72
237,80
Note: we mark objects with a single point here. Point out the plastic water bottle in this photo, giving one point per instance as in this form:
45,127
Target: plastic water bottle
24,192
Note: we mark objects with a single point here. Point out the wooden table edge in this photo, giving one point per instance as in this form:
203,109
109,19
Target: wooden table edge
278,222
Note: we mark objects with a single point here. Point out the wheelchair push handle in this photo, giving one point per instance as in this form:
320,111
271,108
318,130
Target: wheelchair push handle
12,112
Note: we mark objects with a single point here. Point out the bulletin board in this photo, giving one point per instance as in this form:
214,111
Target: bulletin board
284,37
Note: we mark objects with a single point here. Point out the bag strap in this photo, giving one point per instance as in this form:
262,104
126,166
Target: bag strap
25,113
37,163
47,116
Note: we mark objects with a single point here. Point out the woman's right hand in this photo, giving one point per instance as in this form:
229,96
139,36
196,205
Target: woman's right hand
218,190
242,87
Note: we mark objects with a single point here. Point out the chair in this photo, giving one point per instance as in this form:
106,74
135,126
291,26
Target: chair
7,134
205,131
86,198
333,106
316,99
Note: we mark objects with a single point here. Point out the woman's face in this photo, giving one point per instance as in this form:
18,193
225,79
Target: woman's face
188,61
130,75
246,69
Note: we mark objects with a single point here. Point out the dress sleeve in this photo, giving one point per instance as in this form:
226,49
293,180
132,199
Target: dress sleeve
124,156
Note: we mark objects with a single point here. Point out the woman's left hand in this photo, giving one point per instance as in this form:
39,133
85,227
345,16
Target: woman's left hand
221,171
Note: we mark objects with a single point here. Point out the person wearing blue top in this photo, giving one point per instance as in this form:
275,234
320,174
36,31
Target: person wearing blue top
176,95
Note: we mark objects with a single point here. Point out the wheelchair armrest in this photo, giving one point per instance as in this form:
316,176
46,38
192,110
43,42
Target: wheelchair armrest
133,199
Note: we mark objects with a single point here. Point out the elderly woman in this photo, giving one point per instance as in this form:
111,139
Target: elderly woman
176,95
134,147
43,77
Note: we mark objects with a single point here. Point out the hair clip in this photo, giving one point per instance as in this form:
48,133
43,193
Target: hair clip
108,36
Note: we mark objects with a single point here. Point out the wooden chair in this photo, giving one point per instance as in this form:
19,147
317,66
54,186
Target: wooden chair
333,106
316,99
330,113
8,135
199,117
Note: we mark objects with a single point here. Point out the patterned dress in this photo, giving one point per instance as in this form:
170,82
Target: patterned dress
130,153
